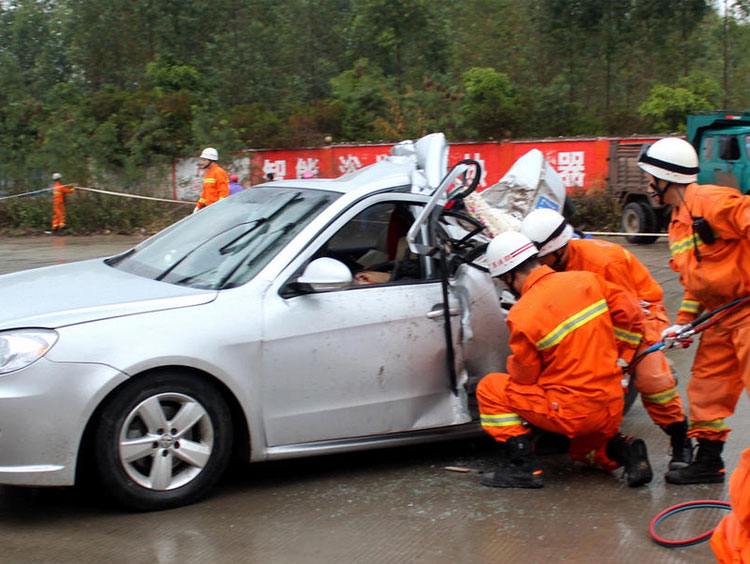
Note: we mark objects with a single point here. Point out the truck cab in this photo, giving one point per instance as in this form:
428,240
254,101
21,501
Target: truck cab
722,141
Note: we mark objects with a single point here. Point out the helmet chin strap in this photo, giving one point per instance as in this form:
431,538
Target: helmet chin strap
559,254
660,193
508,279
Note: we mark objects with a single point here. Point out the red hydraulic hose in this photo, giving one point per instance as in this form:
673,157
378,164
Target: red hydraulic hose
678,543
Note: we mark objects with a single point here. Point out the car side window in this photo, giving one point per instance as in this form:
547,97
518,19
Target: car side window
373,245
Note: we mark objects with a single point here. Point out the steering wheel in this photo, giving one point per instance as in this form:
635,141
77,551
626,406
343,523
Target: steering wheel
460,194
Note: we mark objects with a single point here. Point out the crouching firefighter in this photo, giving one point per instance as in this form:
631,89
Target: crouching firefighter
563,375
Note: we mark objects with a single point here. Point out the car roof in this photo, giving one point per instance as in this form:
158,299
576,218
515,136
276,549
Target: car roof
393,172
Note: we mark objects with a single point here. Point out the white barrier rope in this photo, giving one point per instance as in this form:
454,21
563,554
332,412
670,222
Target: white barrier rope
126,195
616,233
24,194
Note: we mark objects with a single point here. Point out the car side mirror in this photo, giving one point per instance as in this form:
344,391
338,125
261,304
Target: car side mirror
323,274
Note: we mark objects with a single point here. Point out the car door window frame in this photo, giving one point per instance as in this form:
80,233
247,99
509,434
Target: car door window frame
295,268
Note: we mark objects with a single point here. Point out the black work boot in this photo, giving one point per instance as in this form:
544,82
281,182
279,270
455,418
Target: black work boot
707,468
682,446
632,454
520,470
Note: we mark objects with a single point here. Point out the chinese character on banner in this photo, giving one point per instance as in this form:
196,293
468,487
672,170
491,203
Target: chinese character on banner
349,163
472,170
307,166
381,158
278,168
571,167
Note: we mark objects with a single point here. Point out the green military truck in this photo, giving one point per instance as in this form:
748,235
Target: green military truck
722,140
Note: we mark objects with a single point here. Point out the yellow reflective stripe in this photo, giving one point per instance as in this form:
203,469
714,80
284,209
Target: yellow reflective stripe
715,425
684,244
571,324
201,201
211,180
690,306
662,397
504,420
591,458
628,336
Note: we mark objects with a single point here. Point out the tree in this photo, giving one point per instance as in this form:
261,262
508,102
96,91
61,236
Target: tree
489,103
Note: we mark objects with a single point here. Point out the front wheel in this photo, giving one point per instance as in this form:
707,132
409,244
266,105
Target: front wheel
163,441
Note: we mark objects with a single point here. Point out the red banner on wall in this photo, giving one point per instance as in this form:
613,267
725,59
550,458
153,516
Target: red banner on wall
580,162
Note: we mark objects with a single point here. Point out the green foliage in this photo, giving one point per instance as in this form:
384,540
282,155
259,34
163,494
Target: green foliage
363,94
103,90
667,108
489,103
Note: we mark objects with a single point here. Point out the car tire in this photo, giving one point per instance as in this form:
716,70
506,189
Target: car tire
162,441
639,217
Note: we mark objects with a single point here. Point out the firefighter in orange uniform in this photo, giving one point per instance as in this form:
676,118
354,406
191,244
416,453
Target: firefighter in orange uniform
58,202
709,239
731,539
553,237
215,179
563,375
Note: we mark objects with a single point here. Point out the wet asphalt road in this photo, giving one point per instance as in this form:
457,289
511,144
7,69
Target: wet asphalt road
399,505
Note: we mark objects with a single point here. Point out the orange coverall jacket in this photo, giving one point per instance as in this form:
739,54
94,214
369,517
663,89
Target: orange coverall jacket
215,186
731,539
617,265
563,340
723,272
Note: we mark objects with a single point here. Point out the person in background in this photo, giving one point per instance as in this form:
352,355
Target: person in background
709,240
215,180
58,202
553,236
563,375
234,185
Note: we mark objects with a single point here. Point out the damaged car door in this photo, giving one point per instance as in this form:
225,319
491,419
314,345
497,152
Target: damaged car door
365,359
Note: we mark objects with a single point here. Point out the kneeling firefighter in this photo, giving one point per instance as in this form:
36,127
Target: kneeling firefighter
563,375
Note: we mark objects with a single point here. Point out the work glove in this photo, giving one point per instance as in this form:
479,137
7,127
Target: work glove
669,336
196,209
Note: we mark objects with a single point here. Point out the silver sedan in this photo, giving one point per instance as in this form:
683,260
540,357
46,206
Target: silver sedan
291,319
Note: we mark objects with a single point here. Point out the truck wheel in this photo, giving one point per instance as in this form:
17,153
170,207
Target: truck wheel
638,217
163,442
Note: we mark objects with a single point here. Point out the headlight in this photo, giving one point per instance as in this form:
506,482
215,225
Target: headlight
21,347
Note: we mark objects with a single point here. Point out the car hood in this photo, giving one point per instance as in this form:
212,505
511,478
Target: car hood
84,291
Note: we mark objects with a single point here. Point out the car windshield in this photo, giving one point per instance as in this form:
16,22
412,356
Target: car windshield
227,243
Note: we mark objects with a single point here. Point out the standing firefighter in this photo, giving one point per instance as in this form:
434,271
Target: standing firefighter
709,238
215,180
58,202
563,375
557,249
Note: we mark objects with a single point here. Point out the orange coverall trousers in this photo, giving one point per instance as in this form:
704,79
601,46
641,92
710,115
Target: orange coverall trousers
720,370
588,433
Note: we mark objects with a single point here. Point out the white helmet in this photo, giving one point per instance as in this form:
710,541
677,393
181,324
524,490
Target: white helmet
507,250
547,229
671,159
56,176
210,153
